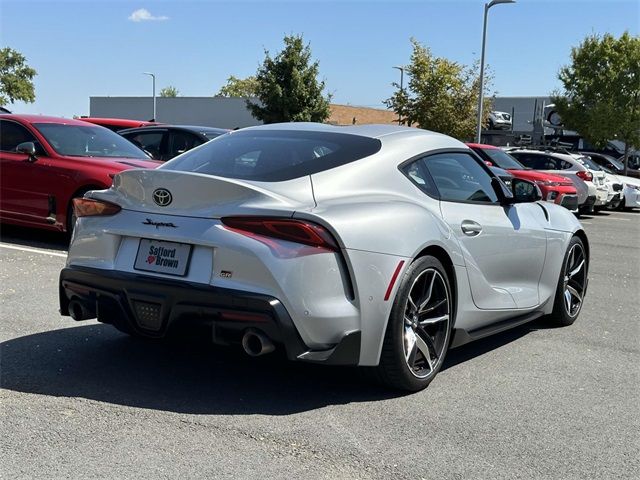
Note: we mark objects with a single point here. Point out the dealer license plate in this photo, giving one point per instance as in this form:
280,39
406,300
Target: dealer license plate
163,257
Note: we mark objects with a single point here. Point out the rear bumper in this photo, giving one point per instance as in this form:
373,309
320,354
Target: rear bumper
152,307
589,202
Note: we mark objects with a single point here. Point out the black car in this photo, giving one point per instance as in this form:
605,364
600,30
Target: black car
613,164
163,142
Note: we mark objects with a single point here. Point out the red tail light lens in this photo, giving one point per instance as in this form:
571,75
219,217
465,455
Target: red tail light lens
585,175
299,231
87,207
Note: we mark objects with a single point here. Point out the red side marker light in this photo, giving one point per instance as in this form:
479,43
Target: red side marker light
394,277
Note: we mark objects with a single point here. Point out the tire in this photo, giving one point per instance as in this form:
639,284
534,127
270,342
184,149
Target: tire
565,307
431,329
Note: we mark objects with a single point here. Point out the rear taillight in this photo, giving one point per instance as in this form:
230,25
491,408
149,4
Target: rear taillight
87,207
585,175
292,230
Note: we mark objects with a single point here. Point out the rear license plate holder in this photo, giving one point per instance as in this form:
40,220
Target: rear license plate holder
159,256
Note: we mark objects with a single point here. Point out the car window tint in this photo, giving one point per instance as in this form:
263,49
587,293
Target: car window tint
181,142
148,141
274,155
460,178
12,135
87,141
419,176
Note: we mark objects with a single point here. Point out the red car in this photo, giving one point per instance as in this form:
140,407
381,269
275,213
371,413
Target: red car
554,188
117,124
47,161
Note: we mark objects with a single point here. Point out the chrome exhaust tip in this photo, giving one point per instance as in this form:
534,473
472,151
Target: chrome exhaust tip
256,343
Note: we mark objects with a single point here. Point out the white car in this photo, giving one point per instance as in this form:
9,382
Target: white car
630,190
375,245
568,166
608,185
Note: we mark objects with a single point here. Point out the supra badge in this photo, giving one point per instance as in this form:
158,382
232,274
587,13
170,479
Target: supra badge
162,197
158,224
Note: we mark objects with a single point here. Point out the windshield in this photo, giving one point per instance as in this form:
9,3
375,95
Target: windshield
615,162
274,155
586,161
211,135
89,141
502,159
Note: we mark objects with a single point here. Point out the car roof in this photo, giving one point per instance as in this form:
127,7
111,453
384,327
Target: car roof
376,131
188,128
482,146
118,122
27,118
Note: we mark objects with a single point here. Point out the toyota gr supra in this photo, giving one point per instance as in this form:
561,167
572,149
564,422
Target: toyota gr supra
376,246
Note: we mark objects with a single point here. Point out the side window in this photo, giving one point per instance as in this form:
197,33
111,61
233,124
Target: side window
12,135
148,141
551,163
180,142
417,173
460,178
564,165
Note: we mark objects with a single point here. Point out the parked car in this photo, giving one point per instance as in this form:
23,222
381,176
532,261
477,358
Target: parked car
630,191
371,245
613,164
117,124
567,166
611,181
500,121
554,188
48,161
163,142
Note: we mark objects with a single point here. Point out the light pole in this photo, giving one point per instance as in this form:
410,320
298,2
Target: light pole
401,90
487,6
153,77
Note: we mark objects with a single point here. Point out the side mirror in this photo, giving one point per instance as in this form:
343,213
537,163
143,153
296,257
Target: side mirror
28,148
505,196
525,191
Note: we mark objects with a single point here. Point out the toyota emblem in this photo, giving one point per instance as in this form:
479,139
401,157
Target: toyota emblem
162,196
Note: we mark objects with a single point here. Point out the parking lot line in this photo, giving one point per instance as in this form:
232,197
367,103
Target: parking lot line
33,250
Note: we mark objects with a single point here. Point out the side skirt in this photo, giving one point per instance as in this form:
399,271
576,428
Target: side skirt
460,336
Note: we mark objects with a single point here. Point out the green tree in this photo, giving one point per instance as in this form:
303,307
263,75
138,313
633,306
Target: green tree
239,87
441,96
288,88
601,97
16,78
169,91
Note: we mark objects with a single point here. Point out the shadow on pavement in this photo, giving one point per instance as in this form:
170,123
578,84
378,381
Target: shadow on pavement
31,237
188,375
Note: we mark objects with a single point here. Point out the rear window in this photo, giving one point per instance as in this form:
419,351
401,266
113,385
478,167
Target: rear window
274,155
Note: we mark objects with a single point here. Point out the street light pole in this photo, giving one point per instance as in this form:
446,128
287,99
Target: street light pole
153,77
402,90
487,6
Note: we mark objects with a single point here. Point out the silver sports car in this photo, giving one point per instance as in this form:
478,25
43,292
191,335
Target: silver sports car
377,246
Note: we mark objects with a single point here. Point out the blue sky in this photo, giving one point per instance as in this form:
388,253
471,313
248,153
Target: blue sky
82,48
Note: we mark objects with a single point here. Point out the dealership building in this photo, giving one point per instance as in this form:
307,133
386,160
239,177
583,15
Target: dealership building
231,113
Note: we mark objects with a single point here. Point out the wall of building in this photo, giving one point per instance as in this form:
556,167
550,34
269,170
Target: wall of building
206,111
524,109
232,112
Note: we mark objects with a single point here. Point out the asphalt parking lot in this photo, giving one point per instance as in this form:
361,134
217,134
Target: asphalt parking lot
81,400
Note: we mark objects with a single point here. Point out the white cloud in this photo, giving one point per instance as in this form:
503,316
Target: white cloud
144,15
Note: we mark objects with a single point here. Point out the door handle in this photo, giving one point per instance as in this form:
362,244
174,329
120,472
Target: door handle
471,228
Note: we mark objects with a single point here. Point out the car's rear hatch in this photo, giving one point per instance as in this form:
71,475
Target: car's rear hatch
189,194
